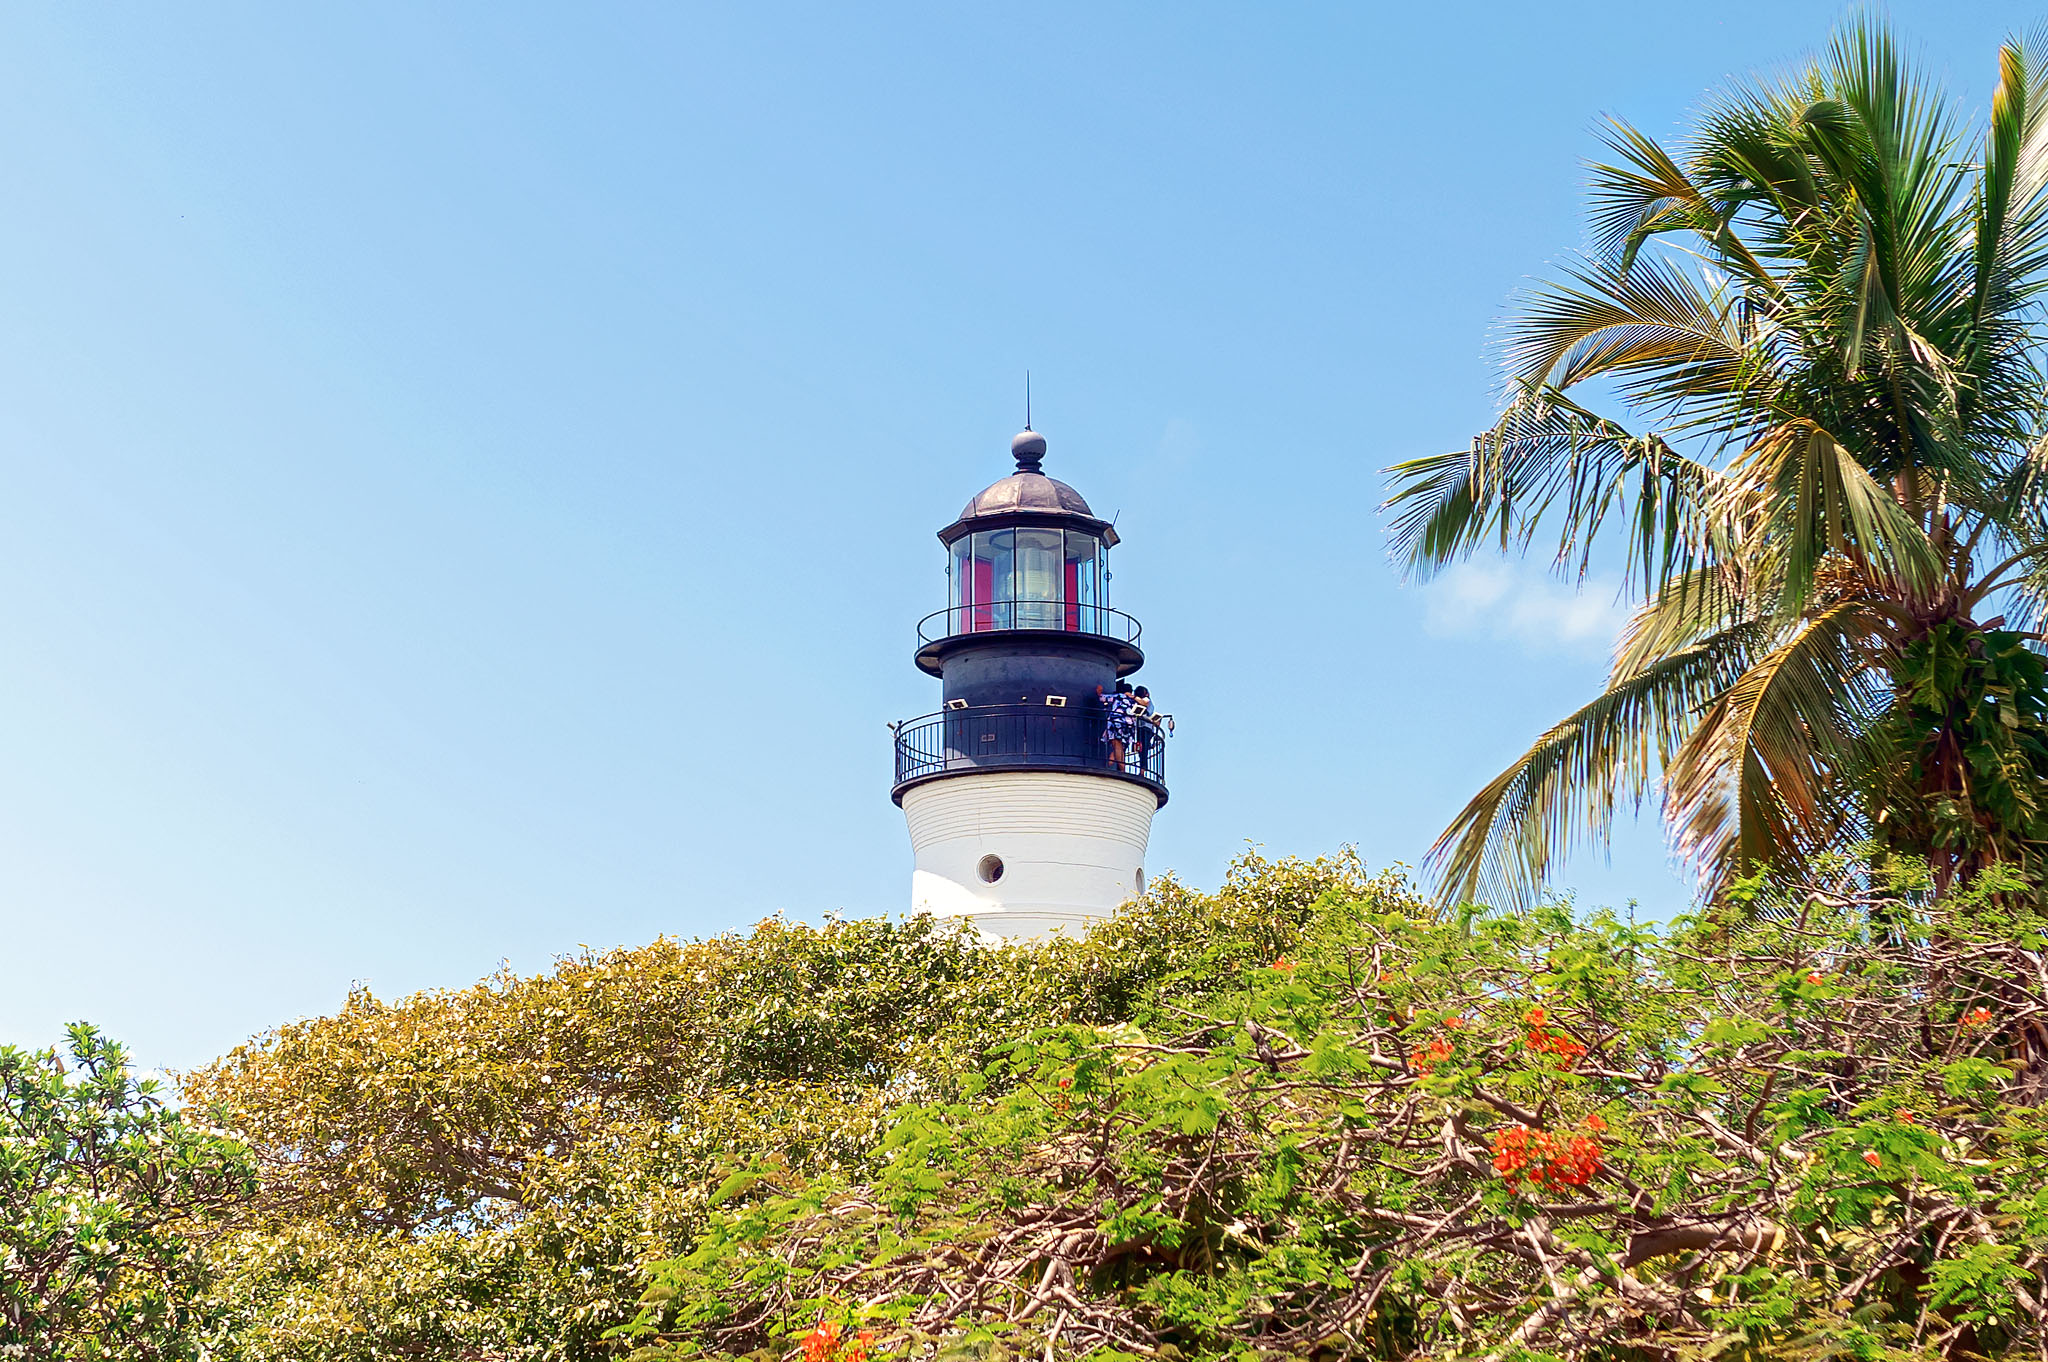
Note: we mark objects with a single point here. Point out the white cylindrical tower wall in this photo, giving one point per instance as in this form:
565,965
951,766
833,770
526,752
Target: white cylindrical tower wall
1028,853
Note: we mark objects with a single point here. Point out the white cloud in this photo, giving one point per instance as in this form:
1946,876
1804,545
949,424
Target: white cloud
1515,602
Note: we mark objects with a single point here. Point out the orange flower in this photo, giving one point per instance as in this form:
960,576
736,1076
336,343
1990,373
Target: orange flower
821,1344
1567,1049
1454,1022
1541,1159
1980,1017
1431,1055
1905,1115
1870,1157
1579,1162
1545,1041
1813,976
825,1343
1283,963
1595,1123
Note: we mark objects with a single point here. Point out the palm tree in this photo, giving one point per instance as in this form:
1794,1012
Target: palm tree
1820,316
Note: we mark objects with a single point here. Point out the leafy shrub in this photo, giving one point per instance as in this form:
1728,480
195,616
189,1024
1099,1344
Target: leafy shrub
101,1187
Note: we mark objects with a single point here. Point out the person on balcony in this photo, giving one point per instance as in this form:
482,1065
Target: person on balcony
1119,722
1146,723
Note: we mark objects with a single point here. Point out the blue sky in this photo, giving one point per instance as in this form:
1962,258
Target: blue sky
468,473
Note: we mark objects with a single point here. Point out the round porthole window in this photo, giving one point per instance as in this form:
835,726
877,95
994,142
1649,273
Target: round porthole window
990,869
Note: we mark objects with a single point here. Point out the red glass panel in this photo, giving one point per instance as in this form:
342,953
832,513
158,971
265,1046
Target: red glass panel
984,596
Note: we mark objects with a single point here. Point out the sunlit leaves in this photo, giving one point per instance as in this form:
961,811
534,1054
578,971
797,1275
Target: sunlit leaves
105,1195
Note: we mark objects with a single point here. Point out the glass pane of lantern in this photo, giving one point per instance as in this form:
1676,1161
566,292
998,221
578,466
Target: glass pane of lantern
1083,583
960,596
982,582
1038,579
995,586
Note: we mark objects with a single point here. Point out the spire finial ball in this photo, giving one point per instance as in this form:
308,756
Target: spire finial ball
1028,447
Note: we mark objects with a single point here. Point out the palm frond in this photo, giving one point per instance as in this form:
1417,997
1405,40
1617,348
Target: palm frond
1671,337
1643,192
1503,844
1690,607
1748,155
1809,497
2009,265
1762,778
1548,456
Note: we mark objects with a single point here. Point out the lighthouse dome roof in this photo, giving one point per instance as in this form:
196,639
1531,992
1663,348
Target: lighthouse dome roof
1023,491
1027,493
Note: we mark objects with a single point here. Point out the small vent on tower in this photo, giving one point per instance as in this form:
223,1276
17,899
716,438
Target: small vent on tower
990,869
1056,701
956,704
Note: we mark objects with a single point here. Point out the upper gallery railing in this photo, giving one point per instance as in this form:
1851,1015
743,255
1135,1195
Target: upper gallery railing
1007,616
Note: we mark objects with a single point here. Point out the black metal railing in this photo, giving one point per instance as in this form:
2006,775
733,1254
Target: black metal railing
1001,737
1048,616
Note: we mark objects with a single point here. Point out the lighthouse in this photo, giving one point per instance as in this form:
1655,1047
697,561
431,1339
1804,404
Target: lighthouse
1029,804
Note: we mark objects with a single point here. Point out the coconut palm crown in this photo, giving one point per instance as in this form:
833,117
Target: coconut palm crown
1818,317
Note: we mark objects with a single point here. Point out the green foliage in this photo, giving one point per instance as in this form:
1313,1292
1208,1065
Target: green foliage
1809,1128
1307,1116
486,1171
1968,744
101,1186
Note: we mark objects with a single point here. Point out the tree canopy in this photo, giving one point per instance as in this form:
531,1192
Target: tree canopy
486,1171
1310,1115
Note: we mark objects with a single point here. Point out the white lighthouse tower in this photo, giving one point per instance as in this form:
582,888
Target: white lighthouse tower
1026,815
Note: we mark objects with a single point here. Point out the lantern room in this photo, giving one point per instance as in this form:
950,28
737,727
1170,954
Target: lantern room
1027,577
1027,554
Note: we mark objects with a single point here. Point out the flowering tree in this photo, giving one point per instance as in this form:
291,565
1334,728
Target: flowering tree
1804,1129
